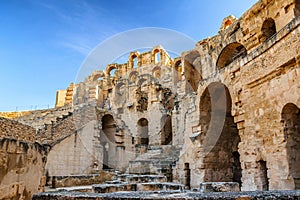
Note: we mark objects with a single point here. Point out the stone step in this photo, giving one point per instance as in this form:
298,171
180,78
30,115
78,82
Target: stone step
145,178
219,187
114,182
154,166
165,186
109,188
151,186
87,188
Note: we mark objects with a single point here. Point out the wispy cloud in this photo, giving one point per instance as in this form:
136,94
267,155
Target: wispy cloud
85,24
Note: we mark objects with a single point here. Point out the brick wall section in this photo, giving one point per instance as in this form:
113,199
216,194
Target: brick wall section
13,129
57,130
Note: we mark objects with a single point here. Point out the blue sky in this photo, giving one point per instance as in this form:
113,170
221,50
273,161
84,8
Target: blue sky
44,43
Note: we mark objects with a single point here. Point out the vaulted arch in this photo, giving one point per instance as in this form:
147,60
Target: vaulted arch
143,136
133,60
98,76
177,70
192,70
166,130
157,55
231,52
156,72
268,29
133,76
291,127
111,69
219,133
107,138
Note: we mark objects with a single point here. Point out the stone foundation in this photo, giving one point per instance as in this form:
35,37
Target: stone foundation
265,195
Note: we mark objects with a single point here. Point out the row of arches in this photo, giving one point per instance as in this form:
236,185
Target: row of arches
220,139
235,50
157,56
231,52
228,54
291,127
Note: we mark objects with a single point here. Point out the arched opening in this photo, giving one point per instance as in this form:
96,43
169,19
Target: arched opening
157,56
178,71
156,72
231,52
111,70
107,138
166,131
262,177
133,76
120,93
268,29
219,136
120,89
98,77
143,137
291,127
142,95
192,70
187,175
236,168
134,59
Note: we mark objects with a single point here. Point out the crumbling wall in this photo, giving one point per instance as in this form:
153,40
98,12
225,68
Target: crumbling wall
22,169
13,129
22,161
15,114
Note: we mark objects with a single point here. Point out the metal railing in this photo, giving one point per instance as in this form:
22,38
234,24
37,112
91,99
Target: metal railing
24,108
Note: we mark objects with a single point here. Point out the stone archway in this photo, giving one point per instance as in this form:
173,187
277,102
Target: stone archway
219,135
177,71
107,138
268,29
192,70
231,52
291,128
143,137
166,131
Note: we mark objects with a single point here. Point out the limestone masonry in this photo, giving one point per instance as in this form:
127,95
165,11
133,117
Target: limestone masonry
224,116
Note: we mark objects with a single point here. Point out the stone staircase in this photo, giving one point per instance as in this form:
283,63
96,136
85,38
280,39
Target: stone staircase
149,172
38,119
157,160
130,182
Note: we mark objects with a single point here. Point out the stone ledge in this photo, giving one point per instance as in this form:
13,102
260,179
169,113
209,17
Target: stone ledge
219,187
253,195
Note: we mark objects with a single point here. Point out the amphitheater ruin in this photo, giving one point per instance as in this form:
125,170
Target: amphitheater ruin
222,117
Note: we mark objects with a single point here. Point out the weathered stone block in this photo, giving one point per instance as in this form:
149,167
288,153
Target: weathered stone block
219,187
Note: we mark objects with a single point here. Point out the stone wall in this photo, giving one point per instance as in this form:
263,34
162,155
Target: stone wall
13,129
22,171
76,154
15,114
260,84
